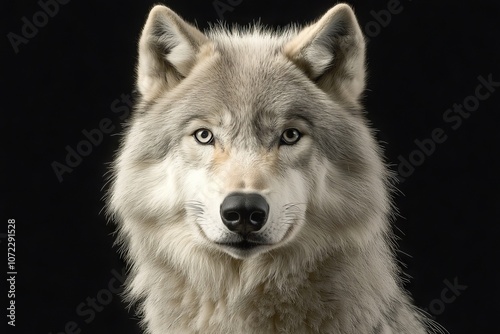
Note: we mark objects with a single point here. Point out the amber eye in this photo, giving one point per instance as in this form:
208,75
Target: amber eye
203,136
290,136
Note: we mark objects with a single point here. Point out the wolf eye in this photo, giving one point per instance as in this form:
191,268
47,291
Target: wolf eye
290,136
203,136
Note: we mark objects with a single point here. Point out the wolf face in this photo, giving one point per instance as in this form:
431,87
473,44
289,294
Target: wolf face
247,136
250,194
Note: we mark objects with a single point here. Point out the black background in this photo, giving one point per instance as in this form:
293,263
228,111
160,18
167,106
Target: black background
66,77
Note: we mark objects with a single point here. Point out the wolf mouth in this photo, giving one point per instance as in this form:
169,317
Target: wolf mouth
242,245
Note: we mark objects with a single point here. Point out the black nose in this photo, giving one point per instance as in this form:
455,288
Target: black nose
244,213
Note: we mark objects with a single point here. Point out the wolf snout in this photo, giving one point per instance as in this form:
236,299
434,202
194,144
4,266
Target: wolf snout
244,213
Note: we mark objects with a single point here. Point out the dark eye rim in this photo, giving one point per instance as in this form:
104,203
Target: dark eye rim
210,142
289,143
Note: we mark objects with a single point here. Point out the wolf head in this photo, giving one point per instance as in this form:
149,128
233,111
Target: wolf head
245,142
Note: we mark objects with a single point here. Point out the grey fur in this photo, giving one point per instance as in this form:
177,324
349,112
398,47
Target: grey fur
330,266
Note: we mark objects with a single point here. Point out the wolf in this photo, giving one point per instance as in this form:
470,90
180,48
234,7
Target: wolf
249,191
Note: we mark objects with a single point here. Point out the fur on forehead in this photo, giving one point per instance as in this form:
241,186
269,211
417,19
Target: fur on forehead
251,37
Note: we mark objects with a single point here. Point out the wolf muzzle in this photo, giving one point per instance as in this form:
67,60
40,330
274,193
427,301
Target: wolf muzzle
244,213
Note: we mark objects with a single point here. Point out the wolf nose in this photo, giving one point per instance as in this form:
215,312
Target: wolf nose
244,213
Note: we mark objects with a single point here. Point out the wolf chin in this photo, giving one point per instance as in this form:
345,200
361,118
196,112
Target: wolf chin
249,191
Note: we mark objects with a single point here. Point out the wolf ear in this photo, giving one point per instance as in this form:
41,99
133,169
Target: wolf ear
167,51
332,53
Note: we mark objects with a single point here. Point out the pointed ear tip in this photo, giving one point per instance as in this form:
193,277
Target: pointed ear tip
160,10
341,9
342,6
